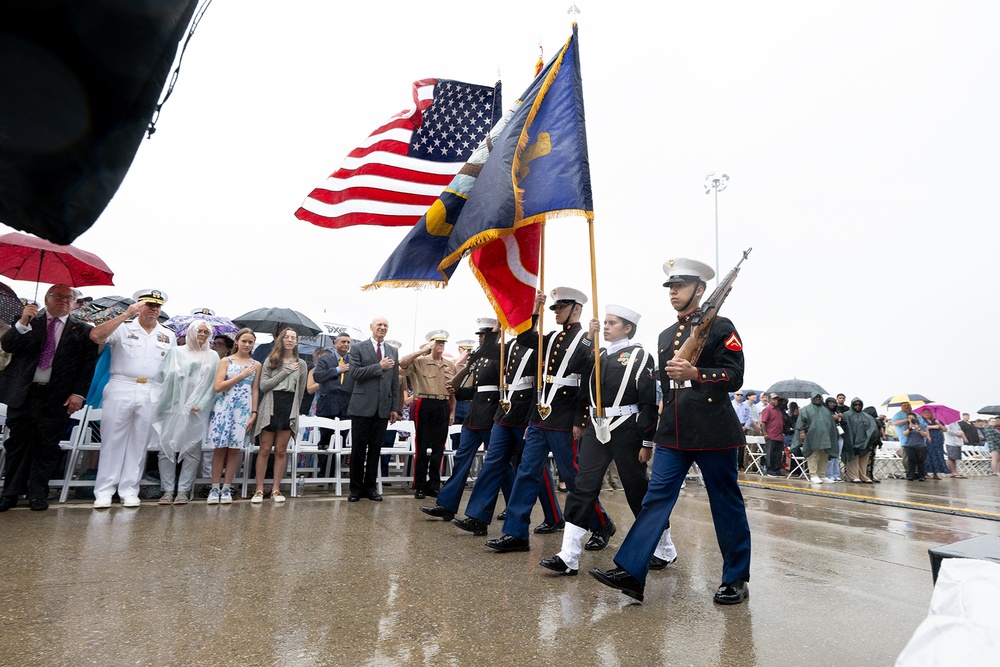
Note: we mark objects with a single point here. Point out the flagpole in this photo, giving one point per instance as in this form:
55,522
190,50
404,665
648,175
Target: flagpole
597,347
540,378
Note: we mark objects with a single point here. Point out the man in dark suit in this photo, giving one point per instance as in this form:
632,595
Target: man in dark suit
374,403
335,384
46,381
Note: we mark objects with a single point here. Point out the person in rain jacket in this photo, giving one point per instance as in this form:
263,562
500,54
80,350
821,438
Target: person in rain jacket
818,435
860,430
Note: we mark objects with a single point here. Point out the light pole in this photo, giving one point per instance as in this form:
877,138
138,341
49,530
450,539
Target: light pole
718,184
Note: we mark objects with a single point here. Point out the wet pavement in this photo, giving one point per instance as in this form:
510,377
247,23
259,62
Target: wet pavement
836,580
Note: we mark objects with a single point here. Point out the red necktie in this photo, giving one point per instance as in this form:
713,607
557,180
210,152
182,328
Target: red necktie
378,351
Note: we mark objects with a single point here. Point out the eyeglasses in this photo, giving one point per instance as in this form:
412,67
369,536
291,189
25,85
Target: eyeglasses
62,297
738,394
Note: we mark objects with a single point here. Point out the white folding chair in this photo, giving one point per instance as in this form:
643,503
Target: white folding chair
306,444
450,445
85,437
754,455
401,451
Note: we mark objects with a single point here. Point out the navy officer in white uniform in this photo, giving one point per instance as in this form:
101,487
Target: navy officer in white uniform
139,344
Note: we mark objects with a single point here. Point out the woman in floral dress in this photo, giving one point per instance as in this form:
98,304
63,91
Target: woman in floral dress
231,427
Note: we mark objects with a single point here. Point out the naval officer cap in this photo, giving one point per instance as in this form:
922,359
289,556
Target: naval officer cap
203,311
155,296
485,324
437,336
466,344
622,312
684,270
565,296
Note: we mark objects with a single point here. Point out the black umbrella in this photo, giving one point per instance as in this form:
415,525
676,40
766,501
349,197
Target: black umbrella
989,410
264,320
795,388
10,304
105,308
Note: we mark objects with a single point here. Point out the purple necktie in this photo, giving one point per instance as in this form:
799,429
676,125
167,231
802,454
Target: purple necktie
49,349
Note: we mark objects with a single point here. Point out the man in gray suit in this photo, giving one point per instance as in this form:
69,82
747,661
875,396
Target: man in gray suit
374,404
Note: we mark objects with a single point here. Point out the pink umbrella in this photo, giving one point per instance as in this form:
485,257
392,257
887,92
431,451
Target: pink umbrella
942,413
24,257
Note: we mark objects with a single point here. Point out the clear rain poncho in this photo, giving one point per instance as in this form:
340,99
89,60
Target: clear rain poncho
184,394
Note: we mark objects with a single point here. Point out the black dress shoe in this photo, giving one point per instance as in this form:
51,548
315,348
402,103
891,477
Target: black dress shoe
546,528
733,593
656,563
374,495
502,516
620,579
556,564
6,502
419,495
433,493
474,526
439,512
601,536
507,543
38,504
353,498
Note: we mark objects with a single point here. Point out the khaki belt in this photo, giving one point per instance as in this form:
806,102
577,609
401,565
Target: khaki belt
437,397
129,379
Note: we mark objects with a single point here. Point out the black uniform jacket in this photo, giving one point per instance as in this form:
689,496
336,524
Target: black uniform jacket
566,409
520,401
481,371
639,391
701,416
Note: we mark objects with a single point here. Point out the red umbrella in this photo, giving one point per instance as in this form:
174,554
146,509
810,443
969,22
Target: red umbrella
24,257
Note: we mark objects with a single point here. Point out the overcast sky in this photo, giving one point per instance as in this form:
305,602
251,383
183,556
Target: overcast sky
861,139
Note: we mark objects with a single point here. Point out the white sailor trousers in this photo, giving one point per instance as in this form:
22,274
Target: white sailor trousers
125,432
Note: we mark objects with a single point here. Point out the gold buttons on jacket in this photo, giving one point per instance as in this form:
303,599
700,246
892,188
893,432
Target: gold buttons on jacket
710,400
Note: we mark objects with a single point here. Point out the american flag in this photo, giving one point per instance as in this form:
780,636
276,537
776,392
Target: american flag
403,166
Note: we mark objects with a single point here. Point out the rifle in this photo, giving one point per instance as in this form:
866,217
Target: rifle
701,320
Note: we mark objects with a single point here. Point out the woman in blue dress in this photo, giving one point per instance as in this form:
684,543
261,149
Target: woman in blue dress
237,380
935,448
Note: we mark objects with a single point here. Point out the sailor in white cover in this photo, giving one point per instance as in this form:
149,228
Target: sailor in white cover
183,396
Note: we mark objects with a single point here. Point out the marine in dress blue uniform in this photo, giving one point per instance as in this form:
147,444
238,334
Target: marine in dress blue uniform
697,425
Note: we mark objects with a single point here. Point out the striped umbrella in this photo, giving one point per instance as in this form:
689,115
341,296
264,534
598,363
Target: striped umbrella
915,400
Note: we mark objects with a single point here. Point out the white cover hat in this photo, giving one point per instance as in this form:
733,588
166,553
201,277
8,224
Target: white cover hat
562,295
437,335
622,312
684,270
484,324
156,296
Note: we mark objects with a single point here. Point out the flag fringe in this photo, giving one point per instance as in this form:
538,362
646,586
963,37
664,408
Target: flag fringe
438,284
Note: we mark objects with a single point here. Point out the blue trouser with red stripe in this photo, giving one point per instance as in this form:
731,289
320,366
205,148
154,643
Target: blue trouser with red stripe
538,442
468,445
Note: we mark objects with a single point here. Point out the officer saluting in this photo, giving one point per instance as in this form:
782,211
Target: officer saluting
697,425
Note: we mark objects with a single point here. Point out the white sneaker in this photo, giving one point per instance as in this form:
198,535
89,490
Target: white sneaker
213,497
815,480
131,501
828,480
226,497
102,503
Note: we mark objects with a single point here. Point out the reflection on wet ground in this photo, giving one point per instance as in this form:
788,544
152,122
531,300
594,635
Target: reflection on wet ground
321,582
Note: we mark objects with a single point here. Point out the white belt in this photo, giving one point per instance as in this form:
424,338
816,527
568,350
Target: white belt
616,411
686,384
487,387
525,383
566,382
118,377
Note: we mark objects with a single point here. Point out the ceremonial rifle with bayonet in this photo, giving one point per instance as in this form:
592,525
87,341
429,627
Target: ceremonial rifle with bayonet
702,319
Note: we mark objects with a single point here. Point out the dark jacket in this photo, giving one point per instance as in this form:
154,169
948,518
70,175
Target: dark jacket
481,370
566,410
334,395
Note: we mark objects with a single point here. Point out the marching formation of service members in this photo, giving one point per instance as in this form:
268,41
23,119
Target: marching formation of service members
587,415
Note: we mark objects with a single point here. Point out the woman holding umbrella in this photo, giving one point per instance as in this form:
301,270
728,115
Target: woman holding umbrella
935,448
183,400
282,383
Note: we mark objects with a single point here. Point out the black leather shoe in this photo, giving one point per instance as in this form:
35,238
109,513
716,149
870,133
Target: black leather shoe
6,502
374,495
419,495
620,579
658,563
439,512
546,528
556,564
502,516
601,536
353,498
433,493
474,526
733,593
38,504
506,543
